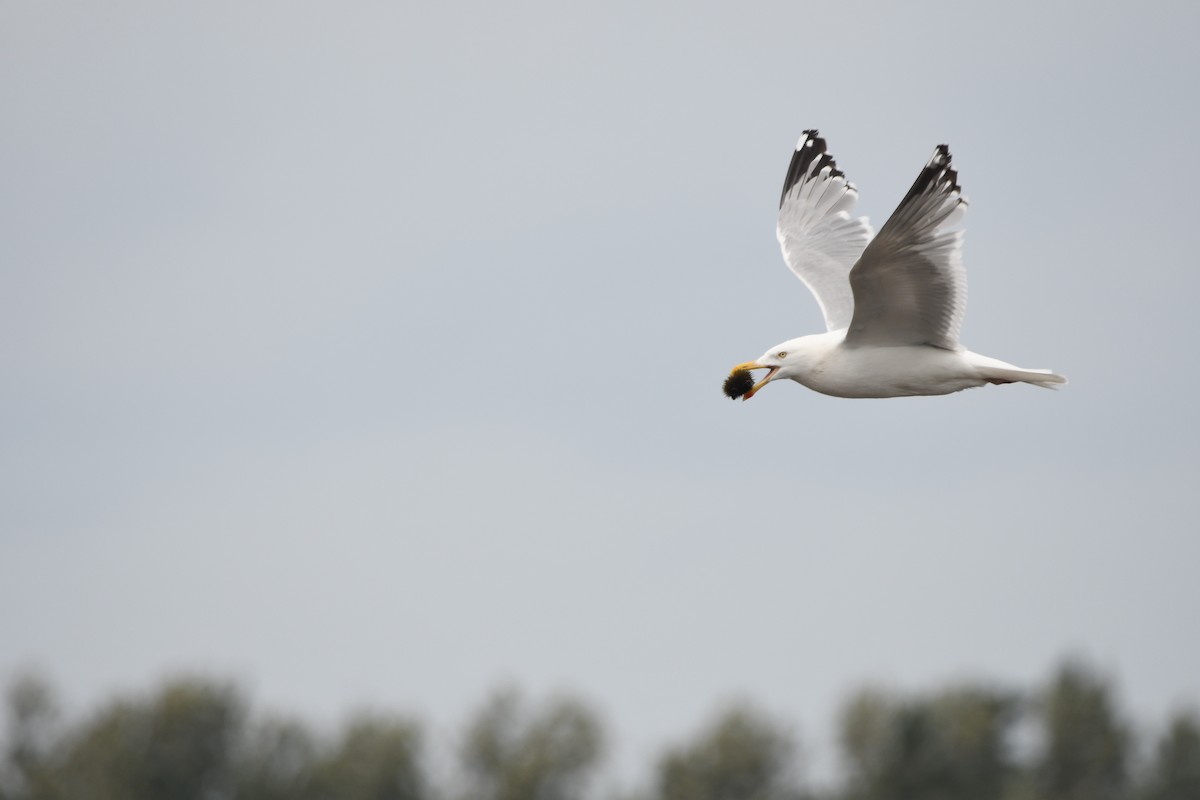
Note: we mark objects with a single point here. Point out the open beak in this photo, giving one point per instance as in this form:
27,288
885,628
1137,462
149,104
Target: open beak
749,365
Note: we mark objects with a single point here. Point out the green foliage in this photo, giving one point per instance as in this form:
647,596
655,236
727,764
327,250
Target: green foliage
741,756
276,761
179,744
191,740
195,739
1087,745
31,731
1175,773
512,754
951,745
377,759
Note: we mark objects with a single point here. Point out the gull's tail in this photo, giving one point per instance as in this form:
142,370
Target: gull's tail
993,370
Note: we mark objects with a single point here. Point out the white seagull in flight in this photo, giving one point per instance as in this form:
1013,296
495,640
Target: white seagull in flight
893,304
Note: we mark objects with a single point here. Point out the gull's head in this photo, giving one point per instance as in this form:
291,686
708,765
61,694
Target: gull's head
784,360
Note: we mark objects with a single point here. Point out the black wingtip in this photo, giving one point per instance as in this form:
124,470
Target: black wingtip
952,176
941,157
811,147
937,172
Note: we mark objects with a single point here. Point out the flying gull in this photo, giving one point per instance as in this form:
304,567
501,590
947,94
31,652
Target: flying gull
893,304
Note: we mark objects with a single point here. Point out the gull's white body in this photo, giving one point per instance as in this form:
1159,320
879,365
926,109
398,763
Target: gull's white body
821,363
893,303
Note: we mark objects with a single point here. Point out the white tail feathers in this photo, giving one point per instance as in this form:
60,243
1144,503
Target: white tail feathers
995,371
1038,377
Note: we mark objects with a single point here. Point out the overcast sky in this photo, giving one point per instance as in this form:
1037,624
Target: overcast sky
371,353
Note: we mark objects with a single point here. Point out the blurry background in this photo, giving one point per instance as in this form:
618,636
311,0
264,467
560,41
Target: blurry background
369,355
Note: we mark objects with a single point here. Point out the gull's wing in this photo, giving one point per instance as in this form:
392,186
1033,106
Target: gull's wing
820,240
910,286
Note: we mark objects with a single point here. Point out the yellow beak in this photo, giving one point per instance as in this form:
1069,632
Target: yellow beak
749,365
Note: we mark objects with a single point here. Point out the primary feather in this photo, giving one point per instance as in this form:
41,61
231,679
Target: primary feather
819,238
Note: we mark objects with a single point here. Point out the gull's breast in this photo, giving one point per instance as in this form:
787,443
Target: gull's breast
903,371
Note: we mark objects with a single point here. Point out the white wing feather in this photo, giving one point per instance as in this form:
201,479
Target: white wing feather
819,238
910,286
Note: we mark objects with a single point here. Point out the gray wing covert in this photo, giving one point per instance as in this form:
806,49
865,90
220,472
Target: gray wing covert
910,286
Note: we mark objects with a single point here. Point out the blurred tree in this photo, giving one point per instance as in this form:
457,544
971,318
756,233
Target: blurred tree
190,739
377,759
31,732
741,756
865,736
951,745
1175,771
547,754
177,745
1087,748
276,761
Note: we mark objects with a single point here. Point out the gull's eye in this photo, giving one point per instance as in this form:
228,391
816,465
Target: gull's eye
781,354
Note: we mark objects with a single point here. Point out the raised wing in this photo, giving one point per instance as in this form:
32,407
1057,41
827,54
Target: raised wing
820,240
910,286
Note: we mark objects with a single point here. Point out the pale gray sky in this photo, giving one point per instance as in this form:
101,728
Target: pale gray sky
372,353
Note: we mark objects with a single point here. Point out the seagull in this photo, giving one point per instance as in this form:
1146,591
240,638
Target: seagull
893,303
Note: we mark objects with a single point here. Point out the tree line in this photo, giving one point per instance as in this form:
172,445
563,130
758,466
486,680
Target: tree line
196,739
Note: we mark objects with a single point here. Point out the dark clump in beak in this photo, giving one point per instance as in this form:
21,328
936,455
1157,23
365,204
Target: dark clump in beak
738,383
